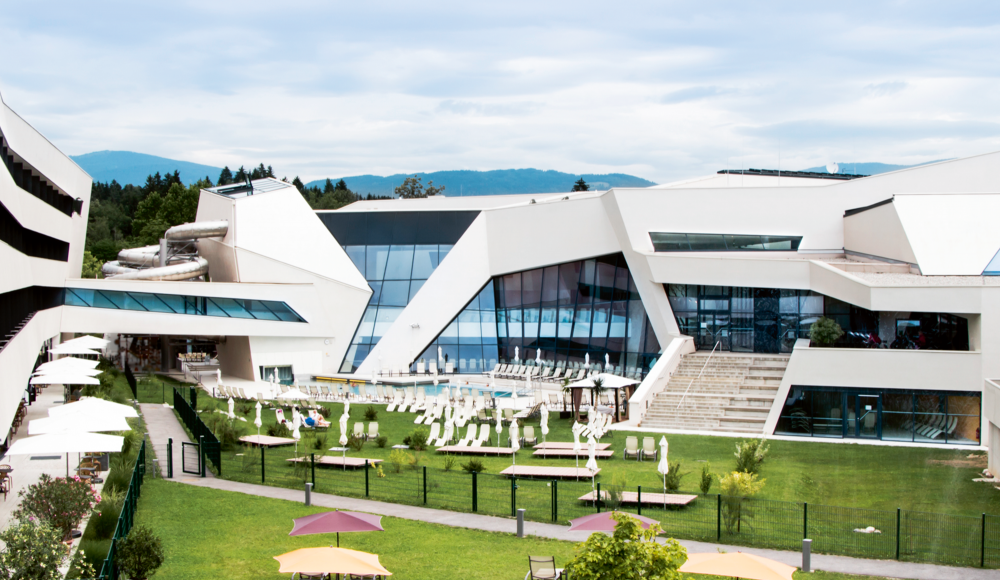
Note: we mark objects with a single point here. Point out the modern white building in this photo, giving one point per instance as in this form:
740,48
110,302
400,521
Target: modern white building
640,282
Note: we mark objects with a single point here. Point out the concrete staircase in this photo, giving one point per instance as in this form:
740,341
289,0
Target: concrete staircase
733,394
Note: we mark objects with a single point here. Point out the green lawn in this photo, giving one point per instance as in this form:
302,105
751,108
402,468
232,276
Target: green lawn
861,476
216,534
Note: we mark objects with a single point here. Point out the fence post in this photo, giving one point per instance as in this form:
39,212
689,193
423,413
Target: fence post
555,500
201,453
805,520
262,465
194,399
312,469
425,485
718,517
513,496
898,520
366,478
597,501
170,458
639,502
982,544
475,492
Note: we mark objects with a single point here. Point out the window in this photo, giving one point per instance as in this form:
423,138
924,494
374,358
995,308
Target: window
174,304
677,242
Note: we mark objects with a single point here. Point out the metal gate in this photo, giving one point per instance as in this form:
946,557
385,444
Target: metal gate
190,458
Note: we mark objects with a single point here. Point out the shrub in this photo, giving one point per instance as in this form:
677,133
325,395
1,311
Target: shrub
250,460
474,466
619,481
227,432
631,553
418,439
245,408
673,479
706,479
378,471
61,503
414,461
371,414
750,454
355,443
825,331
89,558
32,551
449,462
278,430
319,443
398,458
736,488
140,554
119,473
322,410
381,441
103,522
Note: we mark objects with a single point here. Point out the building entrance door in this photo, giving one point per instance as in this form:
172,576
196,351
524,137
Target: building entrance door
864,423
713,328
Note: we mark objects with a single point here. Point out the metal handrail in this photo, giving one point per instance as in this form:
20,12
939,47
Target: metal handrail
699,374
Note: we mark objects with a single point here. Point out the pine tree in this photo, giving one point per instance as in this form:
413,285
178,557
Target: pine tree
241,175
581,185
328,186
300,186
226,177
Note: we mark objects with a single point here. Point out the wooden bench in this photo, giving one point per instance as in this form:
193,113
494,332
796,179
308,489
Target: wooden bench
632,497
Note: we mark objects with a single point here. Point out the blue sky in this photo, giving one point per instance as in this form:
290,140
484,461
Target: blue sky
663,90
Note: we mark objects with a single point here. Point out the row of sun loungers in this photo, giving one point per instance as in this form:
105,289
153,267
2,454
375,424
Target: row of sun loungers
934,427
553,374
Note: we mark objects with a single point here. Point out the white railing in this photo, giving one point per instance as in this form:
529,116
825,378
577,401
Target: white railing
699,373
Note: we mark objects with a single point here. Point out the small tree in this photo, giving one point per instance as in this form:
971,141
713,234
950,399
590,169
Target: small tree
825,331
581,185
413,187
140,554
736,489
598,389
631,553
61,503
750,454
706,479
32,551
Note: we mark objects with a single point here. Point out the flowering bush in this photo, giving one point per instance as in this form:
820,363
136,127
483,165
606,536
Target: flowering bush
33,551
61,503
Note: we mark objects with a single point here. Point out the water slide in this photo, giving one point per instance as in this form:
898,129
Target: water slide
145,263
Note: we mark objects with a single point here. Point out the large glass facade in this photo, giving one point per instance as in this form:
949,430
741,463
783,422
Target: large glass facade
571,312
178,304
676,242
395,274
770,320
886,414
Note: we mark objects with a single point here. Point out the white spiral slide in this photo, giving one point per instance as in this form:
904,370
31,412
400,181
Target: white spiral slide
143,263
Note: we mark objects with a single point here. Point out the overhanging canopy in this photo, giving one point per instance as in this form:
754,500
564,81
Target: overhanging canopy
67,442
608,381
89,423
93,405
64,379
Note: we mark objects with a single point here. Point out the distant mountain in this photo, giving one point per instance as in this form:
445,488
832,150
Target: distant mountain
497,182
868,168
128,167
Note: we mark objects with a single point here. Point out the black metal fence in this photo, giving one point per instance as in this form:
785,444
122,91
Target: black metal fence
859,532
185,403
126,519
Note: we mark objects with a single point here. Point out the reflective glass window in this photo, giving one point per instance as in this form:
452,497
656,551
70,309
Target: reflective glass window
780,242
514,328
487,301
531,286
383,320
664,242
569,276
400,263
214,309
585,289
79,297
260,310
897,416
605,280
743,242
581,324
176,303
425,261
531,315
512,290
469,324
357,255
415,287
547,326
601,319
619,314
364,334
107,299
395,293
550,284
232,307
375,259
443,250
707,242
565,322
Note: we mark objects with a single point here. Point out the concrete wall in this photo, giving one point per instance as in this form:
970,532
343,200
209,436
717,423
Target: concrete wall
878,232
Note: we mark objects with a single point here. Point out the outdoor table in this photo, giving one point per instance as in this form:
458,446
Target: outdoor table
400,446
343,451
5,471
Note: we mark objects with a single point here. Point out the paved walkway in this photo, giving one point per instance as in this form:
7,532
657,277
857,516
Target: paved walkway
162,424
842,564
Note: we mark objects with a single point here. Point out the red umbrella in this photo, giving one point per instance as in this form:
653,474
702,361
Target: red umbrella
336,522
603,522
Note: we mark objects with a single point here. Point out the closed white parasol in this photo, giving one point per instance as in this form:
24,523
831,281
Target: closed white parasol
515,440
663,467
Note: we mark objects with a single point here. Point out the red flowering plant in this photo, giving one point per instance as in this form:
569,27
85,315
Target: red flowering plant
59,502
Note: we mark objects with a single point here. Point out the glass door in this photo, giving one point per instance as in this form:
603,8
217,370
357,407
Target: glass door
866,412
714,328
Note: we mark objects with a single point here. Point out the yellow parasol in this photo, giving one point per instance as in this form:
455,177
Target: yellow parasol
331,561
737,565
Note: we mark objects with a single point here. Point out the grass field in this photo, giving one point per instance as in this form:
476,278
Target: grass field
211,534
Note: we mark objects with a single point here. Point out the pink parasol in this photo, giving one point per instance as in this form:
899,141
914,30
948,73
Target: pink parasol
603,522
336,522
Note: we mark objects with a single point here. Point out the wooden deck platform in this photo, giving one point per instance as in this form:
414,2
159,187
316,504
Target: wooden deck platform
569,445
545,472
338,461
267,441
632,497
476,450
549,453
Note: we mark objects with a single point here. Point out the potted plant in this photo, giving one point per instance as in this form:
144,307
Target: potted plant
825,332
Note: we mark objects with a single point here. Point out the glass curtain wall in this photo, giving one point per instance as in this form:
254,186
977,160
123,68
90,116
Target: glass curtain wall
568,311
887,414
395,274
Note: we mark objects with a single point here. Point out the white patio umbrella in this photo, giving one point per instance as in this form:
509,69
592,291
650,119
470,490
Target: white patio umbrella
449,430
232,406
538,357
607,361
296,423
608,381
67,442
67,371
586,360
73,349
87,342
440,358
515,440
545,422
592,460
68,362
347,408
89,423
516,353
499,430
577,429
663,467
92,405
343,430
257,421
292,394
64,379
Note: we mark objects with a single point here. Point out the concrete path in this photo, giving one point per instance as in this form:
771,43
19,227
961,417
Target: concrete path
842,564
162,424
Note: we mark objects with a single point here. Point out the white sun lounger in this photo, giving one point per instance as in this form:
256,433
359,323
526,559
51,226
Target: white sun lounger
470,436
